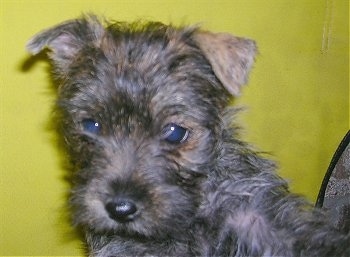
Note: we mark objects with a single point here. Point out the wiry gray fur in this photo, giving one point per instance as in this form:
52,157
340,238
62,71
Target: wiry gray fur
209,195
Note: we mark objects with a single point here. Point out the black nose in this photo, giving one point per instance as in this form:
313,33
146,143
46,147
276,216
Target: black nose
121,210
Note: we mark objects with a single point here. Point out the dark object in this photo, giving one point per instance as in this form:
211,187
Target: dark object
334,195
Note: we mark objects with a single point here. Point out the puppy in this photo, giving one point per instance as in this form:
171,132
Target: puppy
157,166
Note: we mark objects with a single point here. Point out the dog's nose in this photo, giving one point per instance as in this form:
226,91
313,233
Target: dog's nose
121,210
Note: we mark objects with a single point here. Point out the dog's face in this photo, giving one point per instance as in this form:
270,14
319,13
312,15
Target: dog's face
142,110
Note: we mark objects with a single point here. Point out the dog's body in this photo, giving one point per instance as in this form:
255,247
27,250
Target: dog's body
158,168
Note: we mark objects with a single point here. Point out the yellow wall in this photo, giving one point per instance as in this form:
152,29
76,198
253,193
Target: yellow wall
297,98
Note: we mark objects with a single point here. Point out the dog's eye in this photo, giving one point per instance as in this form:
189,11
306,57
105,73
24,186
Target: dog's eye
174,133
91,126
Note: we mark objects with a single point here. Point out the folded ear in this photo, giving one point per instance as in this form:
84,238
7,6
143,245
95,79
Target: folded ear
67,39
230,57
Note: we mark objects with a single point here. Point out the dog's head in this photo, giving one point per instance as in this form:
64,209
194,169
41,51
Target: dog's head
142,108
